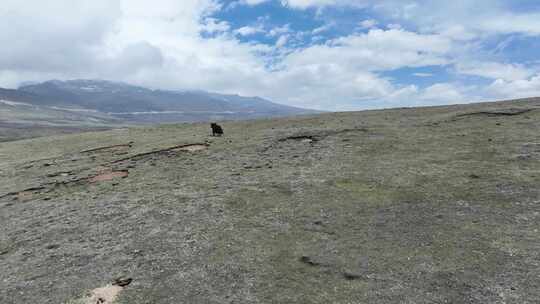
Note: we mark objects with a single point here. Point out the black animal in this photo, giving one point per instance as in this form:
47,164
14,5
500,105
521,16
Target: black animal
216,129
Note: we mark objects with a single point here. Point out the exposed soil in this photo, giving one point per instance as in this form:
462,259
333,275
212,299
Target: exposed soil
102,295
108,176
191,148
25,195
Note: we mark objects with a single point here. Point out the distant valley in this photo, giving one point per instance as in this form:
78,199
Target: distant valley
55,106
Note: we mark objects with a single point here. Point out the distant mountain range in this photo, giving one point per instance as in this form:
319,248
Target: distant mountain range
133,104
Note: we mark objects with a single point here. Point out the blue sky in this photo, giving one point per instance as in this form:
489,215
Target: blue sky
323,54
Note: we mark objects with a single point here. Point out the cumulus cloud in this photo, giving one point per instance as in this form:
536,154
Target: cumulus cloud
376,50
368,24
515,88
494,70
463,17
443,93
323,28
249,30
38,40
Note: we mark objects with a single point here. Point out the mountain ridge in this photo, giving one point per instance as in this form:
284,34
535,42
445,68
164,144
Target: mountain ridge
58,107
117,97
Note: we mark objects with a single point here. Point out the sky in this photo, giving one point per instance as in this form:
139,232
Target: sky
336,55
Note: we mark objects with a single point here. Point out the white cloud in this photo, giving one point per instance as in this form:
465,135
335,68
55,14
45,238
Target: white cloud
442,93
377,50
303,4
38,40
494,70
278,30
212,25
323,28
463,18
526,23
394,26
368,24
249,30
423,74
249,2
282,40
254,2
514,88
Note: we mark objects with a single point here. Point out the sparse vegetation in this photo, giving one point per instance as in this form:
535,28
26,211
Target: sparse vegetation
394,206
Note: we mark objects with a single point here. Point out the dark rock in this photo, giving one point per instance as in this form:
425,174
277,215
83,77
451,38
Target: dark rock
122,282
309,261
352,276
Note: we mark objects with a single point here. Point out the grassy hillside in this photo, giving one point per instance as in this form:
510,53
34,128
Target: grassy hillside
427,205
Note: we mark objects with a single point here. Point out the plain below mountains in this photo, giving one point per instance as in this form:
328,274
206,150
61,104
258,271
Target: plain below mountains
82,104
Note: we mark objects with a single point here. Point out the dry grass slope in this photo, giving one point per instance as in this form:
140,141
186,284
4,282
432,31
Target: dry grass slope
426,205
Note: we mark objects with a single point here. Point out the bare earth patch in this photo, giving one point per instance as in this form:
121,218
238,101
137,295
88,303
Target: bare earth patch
192,148
25,195
103,295
109,176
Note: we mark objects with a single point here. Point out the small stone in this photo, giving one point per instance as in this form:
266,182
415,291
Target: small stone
307,260
351,276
